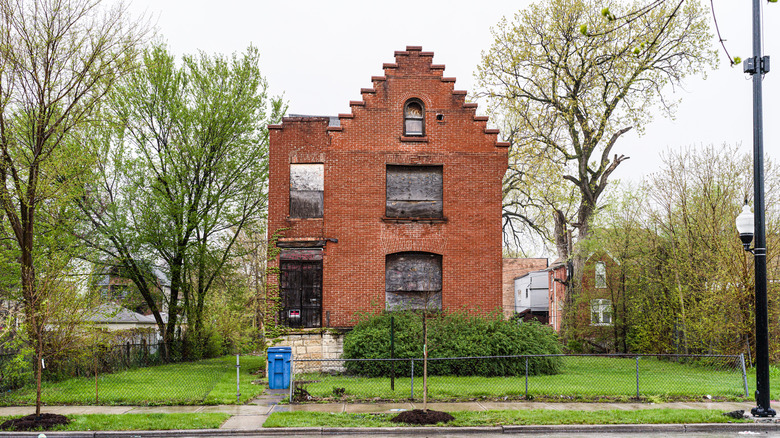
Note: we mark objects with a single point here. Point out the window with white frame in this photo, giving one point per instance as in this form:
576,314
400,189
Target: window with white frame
601,312
601,275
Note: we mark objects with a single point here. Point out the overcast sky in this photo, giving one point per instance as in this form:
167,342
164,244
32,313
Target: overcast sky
320,53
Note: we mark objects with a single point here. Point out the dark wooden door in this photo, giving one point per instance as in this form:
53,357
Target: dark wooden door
301,293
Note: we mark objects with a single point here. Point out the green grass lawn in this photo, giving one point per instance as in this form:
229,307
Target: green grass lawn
506,418
581,378
141,421
211,381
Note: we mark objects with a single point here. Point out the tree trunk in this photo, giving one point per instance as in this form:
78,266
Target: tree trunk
562,236
32,300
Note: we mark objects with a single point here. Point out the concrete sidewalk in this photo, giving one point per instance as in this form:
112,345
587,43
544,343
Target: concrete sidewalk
252,416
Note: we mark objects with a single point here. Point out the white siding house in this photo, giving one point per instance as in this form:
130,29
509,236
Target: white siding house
531,292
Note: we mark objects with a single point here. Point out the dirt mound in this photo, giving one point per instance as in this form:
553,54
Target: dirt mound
33,422
418,416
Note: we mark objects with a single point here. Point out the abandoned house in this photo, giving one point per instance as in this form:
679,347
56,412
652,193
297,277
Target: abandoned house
395,205
592,312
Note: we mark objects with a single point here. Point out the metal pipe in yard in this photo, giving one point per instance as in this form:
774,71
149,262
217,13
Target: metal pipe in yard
238,381
412,397
744,373
637,377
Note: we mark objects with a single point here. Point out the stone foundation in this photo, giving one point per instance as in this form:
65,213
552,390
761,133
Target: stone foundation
317,344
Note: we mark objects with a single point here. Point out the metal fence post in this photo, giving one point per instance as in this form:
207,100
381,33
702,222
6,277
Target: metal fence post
526,377
744,373
412,397
238,381
637,377
292,378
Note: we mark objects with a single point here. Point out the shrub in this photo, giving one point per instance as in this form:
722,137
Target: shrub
15,370
452,335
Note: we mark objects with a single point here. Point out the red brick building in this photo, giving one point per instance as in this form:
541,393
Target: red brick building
595,307
394,205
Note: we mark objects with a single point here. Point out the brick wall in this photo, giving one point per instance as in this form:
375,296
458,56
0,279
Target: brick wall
355,155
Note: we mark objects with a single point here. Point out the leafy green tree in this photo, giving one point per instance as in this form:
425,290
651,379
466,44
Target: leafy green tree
185,172
705,272
567,81
686,284
59,59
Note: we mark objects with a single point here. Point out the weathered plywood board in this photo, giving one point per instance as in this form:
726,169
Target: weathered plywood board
413,300
410,271
414,191
307,177
414,183
306,204
416,209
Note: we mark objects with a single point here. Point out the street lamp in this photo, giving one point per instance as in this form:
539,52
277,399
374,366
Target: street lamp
746,227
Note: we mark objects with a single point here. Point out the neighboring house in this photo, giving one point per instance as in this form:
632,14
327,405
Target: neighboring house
113,287
532,296
135,328
394,205
595,307
513,268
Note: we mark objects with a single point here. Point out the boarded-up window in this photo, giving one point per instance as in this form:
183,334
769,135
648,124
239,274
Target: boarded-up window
413,281
414,192
306,190
414,118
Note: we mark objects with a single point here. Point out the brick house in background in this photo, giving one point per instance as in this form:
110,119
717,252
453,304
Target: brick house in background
601,289
394,205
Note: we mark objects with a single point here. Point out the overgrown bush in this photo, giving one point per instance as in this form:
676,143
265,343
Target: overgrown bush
452,335
15,370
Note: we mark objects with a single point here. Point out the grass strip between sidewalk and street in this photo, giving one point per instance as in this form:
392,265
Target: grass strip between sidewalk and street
507,418
153,421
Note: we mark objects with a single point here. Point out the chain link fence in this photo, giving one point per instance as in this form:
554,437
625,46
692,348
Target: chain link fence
579,377
128,374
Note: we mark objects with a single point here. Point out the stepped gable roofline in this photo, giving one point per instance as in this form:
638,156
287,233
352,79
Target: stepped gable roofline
412,63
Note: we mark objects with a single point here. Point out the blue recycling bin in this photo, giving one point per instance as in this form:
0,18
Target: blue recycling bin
279,359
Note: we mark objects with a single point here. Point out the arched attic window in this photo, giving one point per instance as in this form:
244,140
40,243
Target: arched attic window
414,118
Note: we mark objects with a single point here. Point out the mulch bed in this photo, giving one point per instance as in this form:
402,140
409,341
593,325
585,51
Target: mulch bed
33,422
419,416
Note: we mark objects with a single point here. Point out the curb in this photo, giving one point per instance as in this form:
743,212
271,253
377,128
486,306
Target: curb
598,429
